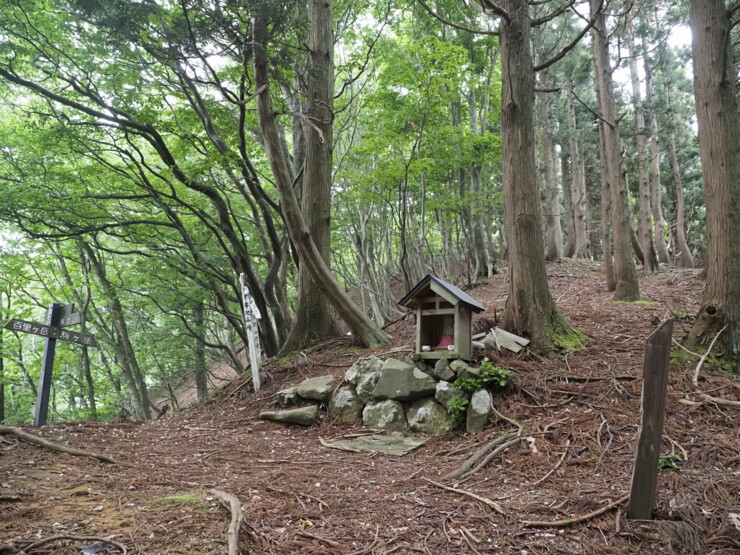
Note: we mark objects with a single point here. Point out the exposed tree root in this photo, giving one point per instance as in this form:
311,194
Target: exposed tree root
39,543
695,378
237,516
576,520
495,506
30,438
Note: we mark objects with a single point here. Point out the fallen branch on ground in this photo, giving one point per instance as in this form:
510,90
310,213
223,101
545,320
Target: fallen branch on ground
39,543
30,438
576,520
236,518
495,506
554,468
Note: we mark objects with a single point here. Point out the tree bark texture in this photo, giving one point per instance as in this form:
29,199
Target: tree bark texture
627,288
314,319
530,309
719,147
579,198
365,331
661,246
644,227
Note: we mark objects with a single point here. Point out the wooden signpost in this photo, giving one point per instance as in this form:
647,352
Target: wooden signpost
58,317
654,387
251,315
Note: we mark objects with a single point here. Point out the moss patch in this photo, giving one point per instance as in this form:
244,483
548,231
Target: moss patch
641,302
569,341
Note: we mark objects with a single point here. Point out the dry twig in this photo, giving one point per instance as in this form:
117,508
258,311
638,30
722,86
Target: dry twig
554,468
695,378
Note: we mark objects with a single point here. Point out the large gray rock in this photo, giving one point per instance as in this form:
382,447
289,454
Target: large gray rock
442,370
316,389
403,382
386,415
427,416
305,416
462,370
363,367
447,393
479,411
366,385
346,405
287,397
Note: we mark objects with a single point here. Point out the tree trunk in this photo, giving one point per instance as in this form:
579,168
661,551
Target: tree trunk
644,228
551,201
570,222
530,309
684,257
484,265
719,147
627,288
365,331
314,319
2,367
659,222
129,364
201,371
578,189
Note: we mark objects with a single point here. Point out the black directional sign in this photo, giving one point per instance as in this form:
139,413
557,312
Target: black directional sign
68,316
52,332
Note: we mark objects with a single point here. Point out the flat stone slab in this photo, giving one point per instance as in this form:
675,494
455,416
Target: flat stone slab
305,416
316,389
403,382
396,445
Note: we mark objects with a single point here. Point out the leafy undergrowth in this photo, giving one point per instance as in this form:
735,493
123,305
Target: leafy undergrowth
301,497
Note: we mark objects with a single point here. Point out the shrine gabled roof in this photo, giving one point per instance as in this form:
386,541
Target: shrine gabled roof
453,293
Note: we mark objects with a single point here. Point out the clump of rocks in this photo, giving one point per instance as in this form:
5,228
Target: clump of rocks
394,395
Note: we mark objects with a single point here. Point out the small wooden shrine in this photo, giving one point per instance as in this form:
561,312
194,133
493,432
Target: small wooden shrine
444,319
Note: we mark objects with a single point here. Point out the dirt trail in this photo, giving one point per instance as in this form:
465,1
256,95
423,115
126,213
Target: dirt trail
301,497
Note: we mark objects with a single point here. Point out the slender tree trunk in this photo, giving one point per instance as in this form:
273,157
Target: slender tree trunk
579,199
684,258
2,366
129,363
551,200
483,264
365,331
644,228
658,221
530,309
201,371
627,288
570,222
719,147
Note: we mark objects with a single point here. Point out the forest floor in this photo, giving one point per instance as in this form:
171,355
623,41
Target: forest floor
302,497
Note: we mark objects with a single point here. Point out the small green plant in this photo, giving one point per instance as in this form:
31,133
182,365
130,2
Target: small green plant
669,462
491,376
457,408
193,499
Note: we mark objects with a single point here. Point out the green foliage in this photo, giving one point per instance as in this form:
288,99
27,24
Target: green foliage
192,499
491,377
670,461
458,408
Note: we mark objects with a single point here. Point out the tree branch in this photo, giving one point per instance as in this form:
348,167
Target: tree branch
455,25
560,55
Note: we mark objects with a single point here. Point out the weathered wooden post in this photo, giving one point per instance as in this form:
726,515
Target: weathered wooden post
41,413
251,315
654,386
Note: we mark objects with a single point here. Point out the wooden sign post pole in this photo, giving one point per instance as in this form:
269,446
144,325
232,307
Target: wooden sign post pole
251,315
654,387
47,364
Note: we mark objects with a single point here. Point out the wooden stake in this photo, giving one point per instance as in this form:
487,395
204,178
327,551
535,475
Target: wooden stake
654,386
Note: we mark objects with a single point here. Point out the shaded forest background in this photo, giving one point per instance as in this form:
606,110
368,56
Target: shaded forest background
152,152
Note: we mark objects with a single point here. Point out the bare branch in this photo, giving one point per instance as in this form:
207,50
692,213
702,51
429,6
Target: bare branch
559,56
552,15
455,25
